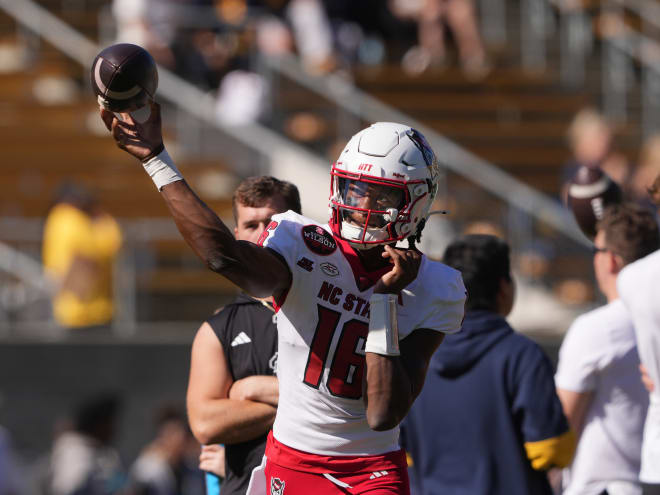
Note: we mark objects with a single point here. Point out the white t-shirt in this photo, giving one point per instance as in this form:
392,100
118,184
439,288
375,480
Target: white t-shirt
322,327
638,288
599,355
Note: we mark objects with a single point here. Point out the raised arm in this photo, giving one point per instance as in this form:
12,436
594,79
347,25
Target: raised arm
214,416
253,268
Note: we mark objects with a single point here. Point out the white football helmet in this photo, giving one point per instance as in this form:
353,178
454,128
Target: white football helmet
383,185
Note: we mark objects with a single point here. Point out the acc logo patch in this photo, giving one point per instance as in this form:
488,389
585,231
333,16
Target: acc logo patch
318,240
305,264
276,486
329,269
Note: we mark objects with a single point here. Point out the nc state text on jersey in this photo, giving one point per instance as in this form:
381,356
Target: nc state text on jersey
335,296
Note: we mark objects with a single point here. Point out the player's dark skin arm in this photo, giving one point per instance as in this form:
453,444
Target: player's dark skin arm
251,267
393,382
254,269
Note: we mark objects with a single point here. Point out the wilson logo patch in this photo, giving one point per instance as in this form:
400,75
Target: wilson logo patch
318,240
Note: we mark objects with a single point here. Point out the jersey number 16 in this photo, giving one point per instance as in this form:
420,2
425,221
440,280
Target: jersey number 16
347,367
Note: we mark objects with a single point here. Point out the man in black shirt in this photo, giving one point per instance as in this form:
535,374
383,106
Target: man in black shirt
232,388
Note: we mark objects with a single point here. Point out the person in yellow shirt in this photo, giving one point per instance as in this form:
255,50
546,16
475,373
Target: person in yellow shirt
80,246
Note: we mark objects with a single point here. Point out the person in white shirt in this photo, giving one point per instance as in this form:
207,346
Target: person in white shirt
638,288
597,376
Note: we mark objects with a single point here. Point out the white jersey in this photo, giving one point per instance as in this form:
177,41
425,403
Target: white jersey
323,324
638,286
599,355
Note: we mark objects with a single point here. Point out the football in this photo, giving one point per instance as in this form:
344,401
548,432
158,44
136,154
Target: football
589,192
124,77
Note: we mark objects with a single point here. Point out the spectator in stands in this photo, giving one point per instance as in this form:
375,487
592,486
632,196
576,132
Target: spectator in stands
189,38
432,17
280,28
232,390
184,36
489,398
590,139
163,467
597,377
82,459
80,246
287,26
148,23
637,285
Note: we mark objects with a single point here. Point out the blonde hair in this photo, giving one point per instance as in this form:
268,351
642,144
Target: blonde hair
586,120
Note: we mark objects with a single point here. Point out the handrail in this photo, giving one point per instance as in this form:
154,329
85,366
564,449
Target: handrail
637,46
25,268
456,158
647,10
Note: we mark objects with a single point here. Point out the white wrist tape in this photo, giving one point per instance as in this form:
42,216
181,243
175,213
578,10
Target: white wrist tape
162,170
383,337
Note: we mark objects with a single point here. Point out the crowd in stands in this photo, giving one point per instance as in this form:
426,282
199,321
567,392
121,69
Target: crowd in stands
211,43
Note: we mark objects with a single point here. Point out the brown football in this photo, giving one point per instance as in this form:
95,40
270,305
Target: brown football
124,77
589,192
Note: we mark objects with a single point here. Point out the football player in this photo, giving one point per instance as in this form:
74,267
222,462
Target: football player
358,318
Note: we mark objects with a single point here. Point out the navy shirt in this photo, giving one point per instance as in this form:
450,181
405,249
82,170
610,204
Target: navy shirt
488,391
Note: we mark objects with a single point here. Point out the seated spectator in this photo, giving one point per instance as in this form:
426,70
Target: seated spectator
164,466
489,397
148,23
80,246
182,35
432,17
82,459
597,377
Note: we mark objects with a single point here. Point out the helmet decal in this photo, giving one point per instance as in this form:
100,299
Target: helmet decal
423,146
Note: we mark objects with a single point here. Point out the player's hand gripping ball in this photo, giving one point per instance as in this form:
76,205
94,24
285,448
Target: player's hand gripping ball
124,77
589,192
